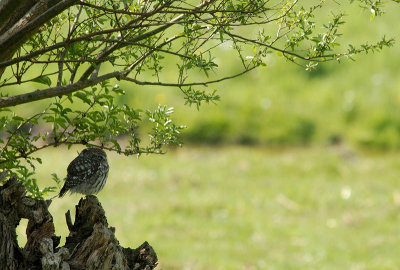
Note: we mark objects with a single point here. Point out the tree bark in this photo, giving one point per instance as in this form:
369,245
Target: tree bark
91,243
19,20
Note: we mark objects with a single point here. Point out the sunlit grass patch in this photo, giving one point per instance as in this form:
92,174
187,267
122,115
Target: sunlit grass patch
252,208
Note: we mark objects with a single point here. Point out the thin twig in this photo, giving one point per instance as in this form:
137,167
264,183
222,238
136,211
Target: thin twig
185,84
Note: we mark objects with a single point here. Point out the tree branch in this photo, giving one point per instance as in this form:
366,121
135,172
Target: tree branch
31,21
55,144
87,73
55,91
67,89
36,10
13,38
8,10
68,42
185,84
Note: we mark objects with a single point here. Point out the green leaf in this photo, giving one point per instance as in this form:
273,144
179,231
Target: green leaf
18,119
279,53
372,15
56,178
43,80
119,91
59,106
70,98
61,122
34,121
83,97
48,118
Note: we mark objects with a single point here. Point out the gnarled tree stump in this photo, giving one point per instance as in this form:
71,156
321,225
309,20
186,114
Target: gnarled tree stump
91,243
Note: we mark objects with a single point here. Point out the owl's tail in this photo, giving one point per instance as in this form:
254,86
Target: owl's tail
62,193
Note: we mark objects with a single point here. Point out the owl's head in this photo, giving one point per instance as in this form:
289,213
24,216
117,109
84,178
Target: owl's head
90,152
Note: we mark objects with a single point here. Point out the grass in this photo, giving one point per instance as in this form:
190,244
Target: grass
250,208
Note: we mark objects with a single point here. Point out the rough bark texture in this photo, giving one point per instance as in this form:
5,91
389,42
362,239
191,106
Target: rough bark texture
91,243
20,19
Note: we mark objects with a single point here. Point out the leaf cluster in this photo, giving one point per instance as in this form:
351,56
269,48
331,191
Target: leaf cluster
99,122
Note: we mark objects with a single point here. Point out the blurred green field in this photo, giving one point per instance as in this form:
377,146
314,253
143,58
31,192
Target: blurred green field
250,208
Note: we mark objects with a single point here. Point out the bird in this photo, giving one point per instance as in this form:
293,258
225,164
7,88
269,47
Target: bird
87,173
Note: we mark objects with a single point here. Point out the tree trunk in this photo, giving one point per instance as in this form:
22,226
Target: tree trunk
19,20
91,243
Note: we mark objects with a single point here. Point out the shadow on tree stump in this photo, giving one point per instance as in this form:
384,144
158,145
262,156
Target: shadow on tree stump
91,243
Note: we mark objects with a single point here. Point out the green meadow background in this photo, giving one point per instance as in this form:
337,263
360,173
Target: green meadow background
291,170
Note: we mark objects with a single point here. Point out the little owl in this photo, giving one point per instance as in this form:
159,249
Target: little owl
87,173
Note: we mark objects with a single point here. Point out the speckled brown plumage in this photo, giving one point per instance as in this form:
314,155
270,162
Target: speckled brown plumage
87,173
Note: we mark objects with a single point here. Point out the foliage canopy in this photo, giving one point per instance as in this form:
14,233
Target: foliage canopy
75,48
